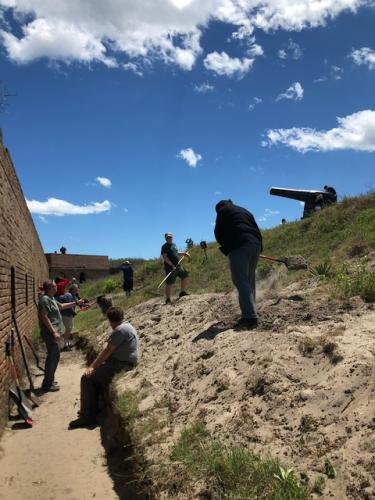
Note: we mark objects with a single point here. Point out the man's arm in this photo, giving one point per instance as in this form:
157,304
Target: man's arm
100,359
167,261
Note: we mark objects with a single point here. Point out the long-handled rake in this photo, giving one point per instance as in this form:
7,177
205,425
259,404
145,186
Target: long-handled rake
293,263
173,271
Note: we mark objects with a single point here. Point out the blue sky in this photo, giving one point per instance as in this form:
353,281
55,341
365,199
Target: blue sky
131,120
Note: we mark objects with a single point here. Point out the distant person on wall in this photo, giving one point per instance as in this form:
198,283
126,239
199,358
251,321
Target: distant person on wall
50,330
82,277
120,354
63,250
240,239
171,257
128,273
332,192
67,315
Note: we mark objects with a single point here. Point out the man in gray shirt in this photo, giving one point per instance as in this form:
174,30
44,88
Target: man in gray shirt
121,353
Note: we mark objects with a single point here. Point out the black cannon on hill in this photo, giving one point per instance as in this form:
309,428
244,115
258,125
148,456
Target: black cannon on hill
314,200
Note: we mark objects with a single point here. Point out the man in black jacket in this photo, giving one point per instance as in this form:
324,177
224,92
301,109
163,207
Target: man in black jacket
240,239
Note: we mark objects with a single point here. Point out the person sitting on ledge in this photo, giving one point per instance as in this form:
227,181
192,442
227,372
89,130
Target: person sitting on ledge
121,353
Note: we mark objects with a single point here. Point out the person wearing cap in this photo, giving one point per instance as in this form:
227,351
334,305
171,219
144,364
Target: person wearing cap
171,257
240,239
128,273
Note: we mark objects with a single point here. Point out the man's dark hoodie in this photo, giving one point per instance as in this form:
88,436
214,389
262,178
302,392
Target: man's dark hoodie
235,226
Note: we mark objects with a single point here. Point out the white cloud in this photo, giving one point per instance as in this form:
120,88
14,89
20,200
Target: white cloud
217,193
43,219
290,50
203,88
356,131
133,67
53,206
103,181
126,210
107,31
254,102
268,213
364,56
294,92
190,157
222,64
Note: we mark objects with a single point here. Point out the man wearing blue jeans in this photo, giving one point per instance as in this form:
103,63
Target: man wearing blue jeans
240,239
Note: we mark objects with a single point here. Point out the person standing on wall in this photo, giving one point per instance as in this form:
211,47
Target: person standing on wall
240,239
128,274
171,257
50,330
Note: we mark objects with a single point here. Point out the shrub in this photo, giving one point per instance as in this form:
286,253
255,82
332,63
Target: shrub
110,285
360,282
323,270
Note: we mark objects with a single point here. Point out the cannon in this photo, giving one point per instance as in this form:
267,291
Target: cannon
314,200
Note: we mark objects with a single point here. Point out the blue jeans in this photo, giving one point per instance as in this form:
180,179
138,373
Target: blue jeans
243,262
52,360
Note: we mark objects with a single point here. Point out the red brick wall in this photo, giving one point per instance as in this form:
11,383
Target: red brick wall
21,250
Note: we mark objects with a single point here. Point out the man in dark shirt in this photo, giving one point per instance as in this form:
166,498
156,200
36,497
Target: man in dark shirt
240,239
171,257
128,283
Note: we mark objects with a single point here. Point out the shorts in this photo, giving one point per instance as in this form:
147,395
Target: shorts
180,272
128,286
67,322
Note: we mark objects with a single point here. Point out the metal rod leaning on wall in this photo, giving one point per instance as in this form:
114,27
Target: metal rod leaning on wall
24,358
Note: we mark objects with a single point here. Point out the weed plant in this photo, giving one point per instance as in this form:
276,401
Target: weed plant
360,282
234,472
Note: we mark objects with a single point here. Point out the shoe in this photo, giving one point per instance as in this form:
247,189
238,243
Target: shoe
80,423
53,388
246,324
66,348
183,294
168,301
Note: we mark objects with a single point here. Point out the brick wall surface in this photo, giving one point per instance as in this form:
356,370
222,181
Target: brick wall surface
21,256
94,266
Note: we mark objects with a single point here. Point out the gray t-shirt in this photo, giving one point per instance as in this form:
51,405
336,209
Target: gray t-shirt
48,305
125,338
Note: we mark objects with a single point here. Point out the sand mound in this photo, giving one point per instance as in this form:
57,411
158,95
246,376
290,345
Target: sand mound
299,388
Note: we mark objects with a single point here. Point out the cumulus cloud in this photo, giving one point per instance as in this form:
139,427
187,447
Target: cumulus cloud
222,64
356,131
294,92
115,33
268,213
203,88
290,50
103,181
190,157
364,56
54,206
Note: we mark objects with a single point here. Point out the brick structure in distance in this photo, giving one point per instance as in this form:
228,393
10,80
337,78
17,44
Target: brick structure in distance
89,267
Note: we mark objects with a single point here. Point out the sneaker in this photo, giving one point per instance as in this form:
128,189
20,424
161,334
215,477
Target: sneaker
183,294
53,388
80,423
246,324
168,301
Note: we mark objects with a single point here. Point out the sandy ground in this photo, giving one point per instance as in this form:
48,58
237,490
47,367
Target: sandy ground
48,461
300,387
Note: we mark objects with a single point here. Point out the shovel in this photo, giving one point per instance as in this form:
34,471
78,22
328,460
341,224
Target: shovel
15,392
293,263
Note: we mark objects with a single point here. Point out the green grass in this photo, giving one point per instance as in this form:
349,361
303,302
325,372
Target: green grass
234,472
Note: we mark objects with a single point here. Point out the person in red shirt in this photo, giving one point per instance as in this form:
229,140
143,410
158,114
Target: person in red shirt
61,282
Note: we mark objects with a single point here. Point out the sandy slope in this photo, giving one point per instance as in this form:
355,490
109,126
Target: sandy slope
48,461
256,388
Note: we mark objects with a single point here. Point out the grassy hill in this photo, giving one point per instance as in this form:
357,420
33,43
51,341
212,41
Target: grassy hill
335,242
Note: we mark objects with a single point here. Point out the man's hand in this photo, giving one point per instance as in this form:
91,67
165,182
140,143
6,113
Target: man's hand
88,372
80,302
56,335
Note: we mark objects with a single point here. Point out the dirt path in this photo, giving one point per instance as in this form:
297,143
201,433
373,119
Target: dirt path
48,461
